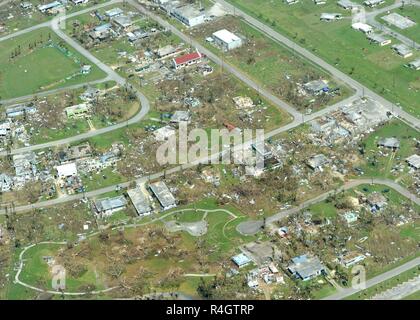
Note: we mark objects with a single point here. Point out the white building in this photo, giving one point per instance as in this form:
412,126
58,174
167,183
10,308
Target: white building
363,27
67,170
79,1
189,15
227,40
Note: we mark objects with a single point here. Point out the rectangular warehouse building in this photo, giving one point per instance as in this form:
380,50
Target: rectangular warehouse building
227,40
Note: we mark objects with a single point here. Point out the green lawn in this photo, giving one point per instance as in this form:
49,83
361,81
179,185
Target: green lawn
380,165
338,44
39,68
323,210
37,272
411,12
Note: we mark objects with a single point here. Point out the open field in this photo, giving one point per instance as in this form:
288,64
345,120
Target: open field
165,258
337,43
38,61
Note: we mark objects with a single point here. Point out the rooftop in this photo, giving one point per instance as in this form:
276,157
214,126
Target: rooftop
140,200
226,36
162,193
110,203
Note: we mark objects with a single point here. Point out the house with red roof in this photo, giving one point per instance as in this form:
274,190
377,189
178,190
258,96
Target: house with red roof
187,60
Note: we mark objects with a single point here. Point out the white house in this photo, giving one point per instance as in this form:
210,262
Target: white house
227,40
189,15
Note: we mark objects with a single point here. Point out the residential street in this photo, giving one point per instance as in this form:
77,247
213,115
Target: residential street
375,280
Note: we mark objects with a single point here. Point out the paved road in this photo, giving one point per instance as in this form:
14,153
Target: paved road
360,89
47,23
371,19
112,75
348,185
378,279
251,227
402,290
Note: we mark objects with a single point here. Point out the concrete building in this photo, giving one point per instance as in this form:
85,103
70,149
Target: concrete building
164,133
76,2
402,50
187,60
122,22
166,51
77,111
67,170
391,143
373,3
50,7
331,17
140,201
351,259
107,206
414,64
164,196
189,15
115,12
306,267
347,5
363,27
316,86
181,116
241,260
414,161
226,40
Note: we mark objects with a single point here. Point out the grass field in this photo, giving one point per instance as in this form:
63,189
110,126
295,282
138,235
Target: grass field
338,44
380,161
39,68
411,12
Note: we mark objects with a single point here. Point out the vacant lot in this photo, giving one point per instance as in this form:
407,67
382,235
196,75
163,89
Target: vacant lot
383,162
